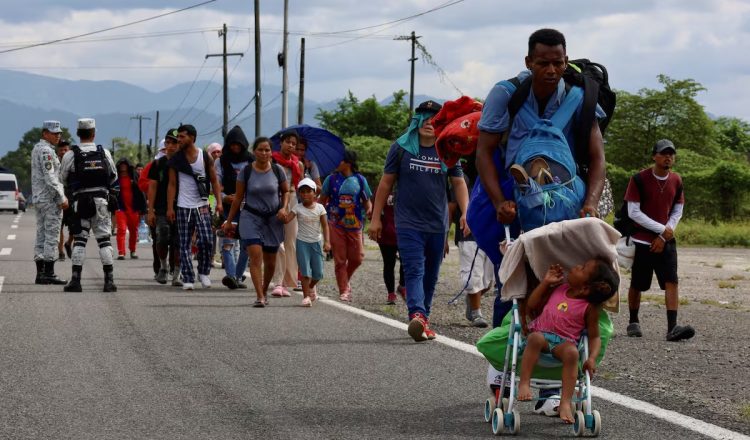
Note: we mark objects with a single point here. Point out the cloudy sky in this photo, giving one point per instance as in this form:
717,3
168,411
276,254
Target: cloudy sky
475,42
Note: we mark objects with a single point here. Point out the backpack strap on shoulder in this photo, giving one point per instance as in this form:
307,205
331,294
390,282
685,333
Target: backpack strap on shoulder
567,108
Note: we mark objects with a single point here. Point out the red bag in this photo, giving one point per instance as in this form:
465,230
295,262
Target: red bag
456,129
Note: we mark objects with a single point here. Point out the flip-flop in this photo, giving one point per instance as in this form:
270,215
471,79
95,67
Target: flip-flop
259,303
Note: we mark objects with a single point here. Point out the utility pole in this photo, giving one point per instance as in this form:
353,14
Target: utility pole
412,59
149,151
156,127
413,38
258,100
224,55
140,134
301,105
284,74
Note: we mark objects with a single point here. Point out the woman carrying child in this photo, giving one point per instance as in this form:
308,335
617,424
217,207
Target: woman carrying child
265,190
562,310
312,226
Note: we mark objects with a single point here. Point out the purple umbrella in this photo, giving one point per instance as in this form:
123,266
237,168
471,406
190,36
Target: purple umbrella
323,147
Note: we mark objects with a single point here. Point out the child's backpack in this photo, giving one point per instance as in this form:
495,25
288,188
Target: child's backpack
540,203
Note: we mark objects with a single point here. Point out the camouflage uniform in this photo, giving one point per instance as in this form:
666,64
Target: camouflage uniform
48,194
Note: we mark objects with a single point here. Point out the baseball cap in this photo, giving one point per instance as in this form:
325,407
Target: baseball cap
428,107
52,126
664,144
307,182
86,123
171,134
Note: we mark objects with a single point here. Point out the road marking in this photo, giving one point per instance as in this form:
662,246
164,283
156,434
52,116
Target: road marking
2,280
673,417
12,237
5,251
14,226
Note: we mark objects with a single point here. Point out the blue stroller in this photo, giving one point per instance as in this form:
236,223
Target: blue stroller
538,249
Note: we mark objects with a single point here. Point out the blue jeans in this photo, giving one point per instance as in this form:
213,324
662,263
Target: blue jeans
235,258
421,256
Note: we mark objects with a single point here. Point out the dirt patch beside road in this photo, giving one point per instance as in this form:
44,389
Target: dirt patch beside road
705,377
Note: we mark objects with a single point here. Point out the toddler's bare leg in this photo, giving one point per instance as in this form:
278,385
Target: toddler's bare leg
567,353
535,343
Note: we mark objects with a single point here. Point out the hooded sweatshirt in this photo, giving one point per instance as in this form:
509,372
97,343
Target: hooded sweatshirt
229,176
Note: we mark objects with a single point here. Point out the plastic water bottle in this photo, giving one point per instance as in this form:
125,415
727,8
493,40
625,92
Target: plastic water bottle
143,233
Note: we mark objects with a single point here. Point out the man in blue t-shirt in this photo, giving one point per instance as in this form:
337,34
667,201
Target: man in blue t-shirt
546,61
421,212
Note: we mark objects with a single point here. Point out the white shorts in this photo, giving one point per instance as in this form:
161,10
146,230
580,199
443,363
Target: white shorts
483,273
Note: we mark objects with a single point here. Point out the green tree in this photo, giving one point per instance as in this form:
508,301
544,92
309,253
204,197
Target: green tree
19,160
643,118
371,152
124,149
733,134
367,118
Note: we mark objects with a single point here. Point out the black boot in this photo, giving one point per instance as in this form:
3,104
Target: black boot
39,272
49,274
74,285
109,279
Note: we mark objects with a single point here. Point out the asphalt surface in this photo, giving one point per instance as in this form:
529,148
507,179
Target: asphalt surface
153,361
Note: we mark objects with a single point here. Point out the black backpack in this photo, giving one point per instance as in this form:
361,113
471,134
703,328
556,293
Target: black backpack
594,80
622,221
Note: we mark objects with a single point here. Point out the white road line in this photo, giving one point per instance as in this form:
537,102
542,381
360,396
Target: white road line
673,417
12,237
6,251
2,280
14,226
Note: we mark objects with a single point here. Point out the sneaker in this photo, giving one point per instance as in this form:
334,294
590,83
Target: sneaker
391,300
298,287
634,330
277,292
133,256
187,286
519,174
240,284
161,277
121,257
402,292
549,407
176,279
306,302
230,282
285,292
417,326
479,322
429,332
205,281
680,332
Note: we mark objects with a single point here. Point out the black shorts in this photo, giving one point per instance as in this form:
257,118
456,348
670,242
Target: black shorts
645,263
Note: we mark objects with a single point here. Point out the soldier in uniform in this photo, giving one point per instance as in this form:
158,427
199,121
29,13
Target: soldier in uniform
49,199
89,173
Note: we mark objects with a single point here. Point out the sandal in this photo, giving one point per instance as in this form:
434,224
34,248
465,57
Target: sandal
259,303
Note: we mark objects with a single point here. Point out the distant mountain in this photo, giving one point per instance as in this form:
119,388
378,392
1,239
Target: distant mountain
28,99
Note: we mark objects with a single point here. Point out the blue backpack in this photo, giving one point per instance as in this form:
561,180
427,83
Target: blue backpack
562,198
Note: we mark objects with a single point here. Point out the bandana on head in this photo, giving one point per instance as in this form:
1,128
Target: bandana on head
409,141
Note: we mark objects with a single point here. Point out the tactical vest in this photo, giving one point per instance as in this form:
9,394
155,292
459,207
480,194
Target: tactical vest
91,170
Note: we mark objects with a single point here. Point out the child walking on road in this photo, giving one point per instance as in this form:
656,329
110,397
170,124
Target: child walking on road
312,228
562,310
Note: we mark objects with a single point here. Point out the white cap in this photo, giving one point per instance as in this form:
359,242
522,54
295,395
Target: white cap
52,126
307,182
162,147
213,147
86,124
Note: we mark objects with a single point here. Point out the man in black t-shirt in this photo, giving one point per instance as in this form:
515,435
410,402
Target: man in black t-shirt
167,239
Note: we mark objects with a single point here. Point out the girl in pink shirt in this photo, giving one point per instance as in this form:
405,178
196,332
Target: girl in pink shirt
562,310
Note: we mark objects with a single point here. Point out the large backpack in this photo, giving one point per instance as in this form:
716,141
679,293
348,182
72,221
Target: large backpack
540,204
594,80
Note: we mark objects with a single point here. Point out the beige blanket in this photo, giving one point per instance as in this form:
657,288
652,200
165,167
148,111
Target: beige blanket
567,243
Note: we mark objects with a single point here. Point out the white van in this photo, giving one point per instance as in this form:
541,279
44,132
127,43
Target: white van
8,193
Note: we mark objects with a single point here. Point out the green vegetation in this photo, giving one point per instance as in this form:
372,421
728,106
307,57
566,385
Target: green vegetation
697,232
745,411
724,284
728,305
655,299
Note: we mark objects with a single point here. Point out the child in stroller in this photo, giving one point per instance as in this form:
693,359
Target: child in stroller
562,309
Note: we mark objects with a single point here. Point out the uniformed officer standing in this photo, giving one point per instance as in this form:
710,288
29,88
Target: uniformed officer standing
89,174
49,200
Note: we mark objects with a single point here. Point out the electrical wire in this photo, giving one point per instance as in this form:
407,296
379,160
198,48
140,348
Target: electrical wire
47,43
179,106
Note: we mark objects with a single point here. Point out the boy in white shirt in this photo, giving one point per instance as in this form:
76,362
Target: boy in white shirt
312,228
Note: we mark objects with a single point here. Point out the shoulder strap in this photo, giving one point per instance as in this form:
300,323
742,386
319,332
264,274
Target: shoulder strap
247,170
276,171
638,184
569,105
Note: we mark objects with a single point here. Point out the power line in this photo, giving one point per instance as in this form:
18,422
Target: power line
186,94
119,37
47,43
208,84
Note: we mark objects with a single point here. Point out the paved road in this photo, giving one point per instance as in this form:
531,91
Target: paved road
155,362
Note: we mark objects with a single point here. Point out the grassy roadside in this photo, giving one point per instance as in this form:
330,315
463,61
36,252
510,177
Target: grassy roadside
702,233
